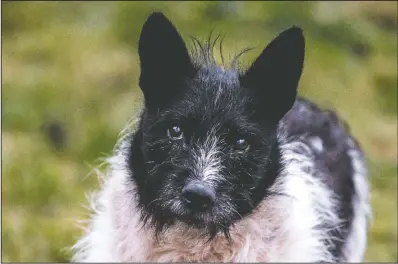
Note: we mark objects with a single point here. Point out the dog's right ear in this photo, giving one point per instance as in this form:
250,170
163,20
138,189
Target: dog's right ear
164,60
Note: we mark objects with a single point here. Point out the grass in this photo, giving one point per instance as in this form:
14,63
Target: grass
69,86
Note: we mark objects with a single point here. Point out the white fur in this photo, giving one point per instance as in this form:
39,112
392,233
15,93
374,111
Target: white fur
208,163
356,242
317,143
219,92
282,228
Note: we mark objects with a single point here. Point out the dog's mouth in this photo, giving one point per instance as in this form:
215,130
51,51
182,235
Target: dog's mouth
208,229
195,219
207,222
201,213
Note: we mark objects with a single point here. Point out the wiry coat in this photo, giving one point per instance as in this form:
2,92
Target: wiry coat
311,204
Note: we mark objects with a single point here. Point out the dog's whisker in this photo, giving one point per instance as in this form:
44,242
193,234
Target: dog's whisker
233,209
154,200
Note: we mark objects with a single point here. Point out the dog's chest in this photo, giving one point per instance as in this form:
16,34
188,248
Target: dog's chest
251,241
239,250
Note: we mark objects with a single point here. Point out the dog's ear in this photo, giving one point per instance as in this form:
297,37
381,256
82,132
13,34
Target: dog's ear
164,60
273,77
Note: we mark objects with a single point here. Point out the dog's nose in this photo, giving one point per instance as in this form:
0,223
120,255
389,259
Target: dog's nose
198,196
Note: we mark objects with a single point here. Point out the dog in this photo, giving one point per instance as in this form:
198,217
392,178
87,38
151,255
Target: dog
228,165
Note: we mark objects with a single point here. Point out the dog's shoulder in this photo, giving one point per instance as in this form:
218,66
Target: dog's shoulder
323,131
329,141
337,159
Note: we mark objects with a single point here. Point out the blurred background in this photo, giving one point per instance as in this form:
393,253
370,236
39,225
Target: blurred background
69,86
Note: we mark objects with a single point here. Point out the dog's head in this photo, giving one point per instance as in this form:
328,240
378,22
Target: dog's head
206,150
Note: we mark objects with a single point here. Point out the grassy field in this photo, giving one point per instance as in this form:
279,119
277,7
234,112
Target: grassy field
69,85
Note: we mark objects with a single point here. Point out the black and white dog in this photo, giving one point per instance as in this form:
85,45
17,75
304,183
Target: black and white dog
229,165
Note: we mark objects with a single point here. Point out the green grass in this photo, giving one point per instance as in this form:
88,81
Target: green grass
74,66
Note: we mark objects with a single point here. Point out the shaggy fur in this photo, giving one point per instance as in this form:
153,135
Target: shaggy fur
290,181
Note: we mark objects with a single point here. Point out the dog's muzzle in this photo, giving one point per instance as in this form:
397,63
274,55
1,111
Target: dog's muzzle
198,196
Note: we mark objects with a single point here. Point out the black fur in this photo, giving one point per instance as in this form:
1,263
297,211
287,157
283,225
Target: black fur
210,102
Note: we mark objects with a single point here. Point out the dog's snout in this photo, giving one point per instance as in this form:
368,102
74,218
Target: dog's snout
198,196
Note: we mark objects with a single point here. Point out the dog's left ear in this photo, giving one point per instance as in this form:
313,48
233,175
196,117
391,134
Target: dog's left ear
164,60
273,77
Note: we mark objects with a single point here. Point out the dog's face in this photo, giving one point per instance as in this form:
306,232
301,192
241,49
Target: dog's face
206,150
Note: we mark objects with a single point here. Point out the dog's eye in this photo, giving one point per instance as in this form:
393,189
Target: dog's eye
241,144
174,132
